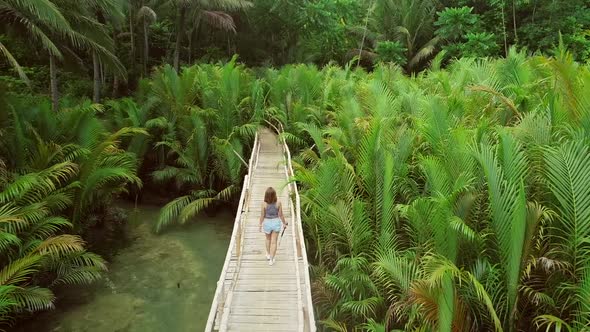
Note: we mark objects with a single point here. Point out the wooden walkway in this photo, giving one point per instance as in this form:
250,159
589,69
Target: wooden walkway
251,295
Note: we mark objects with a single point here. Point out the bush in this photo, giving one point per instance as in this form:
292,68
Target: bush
479,45
454,23
391,51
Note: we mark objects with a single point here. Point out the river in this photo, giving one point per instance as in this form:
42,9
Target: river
156,283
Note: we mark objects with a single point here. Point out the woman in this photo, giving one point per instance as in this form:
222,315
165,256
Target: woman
270,220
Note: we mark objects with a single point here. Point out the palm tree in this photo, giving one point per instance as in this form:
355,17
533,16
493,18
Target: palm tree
42,138
567,177
207,109
104,172
32,16
113,13
409,22
36,254
454,200
147,16
58,29
203,11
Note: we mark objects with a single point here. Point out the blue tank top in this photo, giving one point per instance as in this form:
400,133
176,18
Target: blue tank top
272,211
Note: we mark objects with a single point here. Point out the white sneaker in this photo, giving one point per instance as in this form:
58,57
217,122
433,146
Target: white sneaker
267,257
271,262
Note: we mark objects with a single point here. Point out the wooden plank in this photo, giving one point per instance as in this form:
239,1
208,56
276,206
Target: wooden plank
270,318
257,274
257,311
263,265
252,297
242,327
276,305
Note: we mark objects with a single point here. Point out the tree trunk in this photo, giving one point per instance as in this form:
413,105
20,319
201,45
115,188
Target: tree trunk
504,29
193,43
115,86
190,47
514,21
115,77
96,65
53,83
179,29
364,33
146,47
132,53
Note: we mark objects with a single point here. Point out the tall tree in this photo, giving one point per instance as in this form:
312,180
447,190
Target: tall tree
147,16
60,26
208,11
409,22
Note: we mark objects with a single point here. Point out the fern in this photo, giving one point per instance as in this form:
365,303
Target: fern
567,172
508,205
33,298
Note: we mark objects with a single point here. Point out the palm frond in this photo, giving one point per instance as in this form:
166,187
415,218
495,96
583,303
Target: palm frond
552,323
193,208
12,61
146,13
567,173
170,212
508,207
33,298
20,270
60,245
220,20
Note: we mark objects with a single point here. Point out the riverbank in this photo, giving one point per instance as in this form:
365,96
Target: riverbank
156,283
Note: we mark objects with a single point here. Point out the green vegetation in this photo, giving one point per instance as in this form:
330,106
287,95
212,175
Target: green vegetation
442,146
61,171
457,200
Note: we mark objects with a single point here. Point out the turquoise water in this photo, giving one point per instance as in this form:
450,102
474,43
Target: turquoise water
157,283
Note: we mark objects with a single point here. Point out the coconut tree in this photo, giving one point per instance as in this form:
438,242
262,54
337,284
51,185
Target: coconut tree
58,30
409,22
210,12
147,16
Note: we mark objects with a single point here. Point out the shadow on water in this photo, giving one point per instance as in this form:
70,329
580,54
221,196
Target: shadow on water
156,283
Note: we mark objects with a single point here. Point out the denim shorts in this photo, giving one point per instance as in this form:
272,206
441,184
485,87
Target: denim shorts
271,225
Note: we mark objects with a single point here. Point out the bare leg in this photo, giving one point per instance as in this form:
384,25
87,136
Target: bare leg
268,239
273,244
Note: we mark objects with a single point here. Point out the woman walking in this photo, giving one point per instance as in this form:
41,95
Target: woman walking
270,221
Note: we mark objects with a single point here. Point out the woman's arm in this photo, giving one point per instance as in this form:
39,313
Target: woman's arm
261,218
281,215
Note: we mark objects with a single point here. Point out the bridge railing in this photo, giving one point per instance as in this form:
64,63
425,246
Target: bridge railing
307,310
222,297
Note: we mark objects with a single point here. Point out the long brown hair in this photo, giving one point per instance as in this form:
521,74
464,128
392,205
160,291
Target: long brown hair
270,196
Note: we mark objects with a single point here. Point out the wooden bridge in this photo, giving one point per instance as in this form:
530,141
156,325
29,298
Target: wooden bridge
251,295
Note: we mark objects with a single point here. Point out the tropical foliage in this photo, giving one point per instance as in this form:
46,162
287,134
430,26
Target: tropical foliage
61,172
113,44
208,115
453,201
442,146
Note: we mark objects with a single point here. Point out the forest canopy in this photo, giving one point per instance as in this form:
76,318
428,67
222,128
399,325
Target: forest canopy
105,46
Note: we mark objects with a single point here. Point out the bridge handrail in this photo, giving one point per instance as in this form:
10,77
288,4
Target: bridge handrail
236,234
303,251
